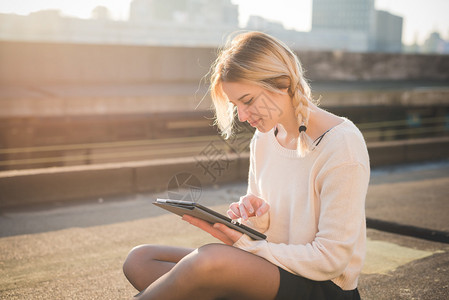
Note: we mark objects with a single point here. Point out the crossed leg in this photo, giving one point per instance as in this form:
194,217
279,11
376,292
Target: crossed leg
214,271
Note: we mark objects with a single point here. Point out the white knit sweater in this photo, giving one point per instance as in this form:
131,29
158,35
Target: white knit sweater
316,224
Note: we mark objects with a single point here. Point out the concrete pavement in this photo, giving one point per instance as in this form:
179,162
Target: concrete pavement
75,250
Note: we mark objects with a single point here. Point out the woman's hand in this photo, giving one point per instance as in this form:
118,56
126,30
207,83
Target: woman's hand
248,206
220,231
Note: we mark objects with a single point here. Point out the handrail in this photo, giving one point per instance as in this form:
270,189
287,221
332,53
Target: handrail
371,125
99,156
361,126
370,130
405,131
95,156
109,144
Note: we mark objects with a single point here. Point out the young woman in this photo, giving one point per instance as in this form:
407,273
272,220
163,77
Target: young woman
308,178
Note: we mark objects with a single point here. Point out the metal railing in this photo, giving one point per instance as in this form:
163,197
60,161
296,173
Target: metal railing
400,129
135,150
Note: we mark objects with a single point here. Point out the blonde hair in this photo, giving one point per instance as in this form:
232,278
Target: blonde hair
258,58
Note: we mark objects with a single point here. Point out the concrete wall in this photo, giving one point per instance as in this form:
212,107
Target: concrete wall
56,63
55,80
374,66
51,63
27,187
98,181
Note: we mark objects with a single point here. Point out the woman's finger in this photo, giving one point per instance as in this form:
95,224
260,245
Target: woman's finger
209,228
206,226
263,209
234,208
232,214
243,212
218,234
248,205
231,234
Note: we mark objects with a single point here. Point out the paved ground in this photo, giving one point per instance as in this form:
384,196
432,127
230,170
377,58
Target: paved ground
75,251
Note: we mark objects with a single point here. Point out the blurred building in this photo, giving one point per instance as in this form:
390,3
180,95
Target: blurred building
343,25
347,15
346,25
101,13
260,23
183,22
354,25
201,12
388,32
435,44
151,22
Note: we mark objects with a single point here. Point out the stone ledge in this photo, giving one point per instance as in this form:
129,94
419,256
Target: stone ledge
24,187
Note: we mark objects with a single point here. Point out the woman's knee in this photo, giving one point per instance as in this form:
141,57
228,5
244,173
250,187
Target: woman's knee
136,257
210,259
151,261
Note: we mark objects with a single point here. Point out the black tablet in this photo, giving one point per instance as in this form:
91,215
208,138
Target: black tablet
199,211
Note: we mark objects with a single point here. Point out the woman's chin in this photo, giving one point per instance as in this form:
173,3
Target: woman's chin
263,129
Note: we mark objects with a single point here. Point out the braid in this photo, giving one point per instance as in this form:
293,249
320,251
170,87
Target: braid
300,102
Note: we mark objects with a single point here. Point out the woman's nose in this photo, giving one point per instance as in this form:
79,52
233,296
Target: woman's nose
243,113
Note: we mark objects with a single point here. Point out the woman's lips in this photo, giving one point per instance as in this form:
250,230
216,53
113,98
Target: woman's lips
254,123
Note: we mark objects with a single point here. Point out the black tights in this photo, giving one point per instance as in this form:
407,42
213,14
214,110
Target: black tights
214,271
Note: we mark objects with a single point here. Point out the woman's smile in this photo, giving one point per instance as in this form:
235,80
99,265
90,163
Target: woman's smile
254,123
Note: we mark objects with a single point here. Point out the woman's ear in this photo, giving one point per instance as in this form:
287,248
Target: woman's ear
290,92
280,83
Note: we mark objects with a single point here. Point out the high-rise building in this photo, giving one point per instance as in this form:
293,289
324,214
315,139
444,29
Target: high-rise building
342,25
352,15
388,32
354,25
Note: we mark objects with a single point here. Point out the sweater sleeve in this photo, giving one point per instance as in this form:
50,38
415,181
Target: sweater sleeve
342,191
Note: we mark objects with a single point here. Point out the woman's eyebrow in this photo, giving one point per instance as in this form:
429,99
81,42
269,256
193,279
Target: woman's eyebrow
242,97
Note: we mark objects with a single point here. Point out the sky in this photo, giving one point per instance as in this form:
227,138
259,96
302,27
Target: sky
421,17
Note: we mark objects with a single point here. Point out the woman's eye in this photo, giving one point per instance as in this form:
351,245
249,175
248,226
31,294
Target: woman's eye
249,101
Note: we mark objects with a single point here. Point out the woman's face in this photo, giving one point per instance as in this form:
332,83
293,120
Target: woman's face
259,107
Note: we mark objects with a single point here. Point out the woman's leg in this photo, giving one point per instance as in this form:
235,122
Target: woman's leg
147,263
217,271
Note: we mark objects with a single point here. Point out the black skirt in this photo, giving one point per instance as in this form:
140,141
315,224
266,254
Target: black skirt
295,287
